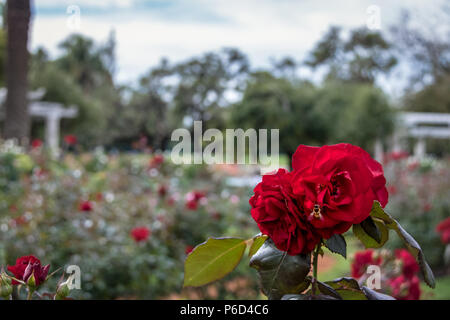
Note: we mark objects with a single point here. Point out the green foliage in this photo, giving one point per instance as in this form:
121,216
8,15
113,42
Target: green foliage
280,273
212,260
39,206
257,242
335,112
360,58
337,244
410,243
372,236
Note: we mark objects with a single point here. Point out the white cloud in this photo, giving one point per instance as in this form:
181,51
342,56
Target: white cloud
261,28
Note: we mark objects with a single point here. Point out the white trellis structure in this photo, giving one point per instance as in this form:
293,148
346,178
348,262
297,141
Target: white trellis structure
420,126
52,113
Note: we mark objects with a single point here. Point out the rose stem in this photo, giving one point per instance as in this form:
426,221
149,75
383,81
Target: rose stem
315,260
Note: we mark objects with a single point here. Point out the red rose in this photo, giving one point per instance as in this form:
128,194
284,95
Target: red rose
404,288
27,266
409,265
277,214
85,206
70,139
336,186
140,234
444,229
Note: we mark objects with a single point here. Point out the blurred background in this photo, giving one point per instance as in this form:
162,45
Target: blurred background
91,92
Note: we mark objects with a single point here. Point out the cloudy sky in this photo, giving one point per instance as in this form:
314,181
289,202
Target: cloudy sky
146,31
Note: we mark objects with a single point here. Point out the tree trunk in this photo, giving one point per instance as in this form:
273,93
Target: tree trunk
17,118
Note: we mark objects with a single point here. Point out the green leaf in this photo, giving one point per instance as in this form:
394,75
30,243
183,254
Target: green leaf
343,283
351,294
257,242
328,290
371,229
280,273
347,288
410,243
374,295
366,239
212,260
337,244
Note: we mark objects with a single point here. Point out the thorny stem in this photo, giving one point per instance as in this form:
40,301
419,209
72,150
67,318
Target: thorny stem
315,260
30,294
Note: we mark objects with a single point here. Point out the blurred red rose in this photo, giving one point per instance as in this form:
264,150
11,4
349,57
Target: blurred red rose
140,234
336,186
99,196
444,229
409,264
362,260
36,143
277,214
188,249
156,161
193,198
27,266
85,206
404,288
70,139
162,190
392,190
396,156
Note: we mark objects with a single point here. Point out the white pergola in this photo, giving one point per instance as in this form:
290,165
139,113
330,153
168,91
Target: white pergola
418,125
52,113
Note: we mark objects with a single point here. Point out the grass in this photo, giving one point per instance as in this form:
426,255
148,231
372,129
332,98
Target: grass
441,292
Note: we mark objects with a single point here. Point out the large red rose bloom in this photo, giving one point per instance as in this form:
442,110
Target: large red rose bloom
27,266
336,186
278,215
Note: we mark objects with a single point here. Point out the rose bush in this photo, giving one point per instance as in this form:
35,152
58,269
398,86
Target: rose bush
399,271
330,189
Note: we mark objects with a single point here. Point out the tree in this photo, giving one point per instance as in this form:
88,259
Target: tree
426,49
17,118
278,103
204,82
91,65
360,58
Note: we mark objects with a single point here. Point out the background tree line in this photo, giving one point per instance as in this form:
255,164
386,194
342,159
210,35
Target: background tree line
222,89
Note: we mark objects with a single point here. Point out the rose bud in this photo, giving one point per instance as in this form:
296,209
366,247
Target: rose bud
63,289
5,286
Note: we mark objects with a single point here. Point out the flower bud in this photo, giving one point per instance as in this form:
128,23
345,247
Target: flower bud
62,292
31,282
5,286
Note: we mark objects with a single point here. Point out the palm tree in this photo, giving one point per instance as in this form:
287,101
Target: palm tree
17,119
